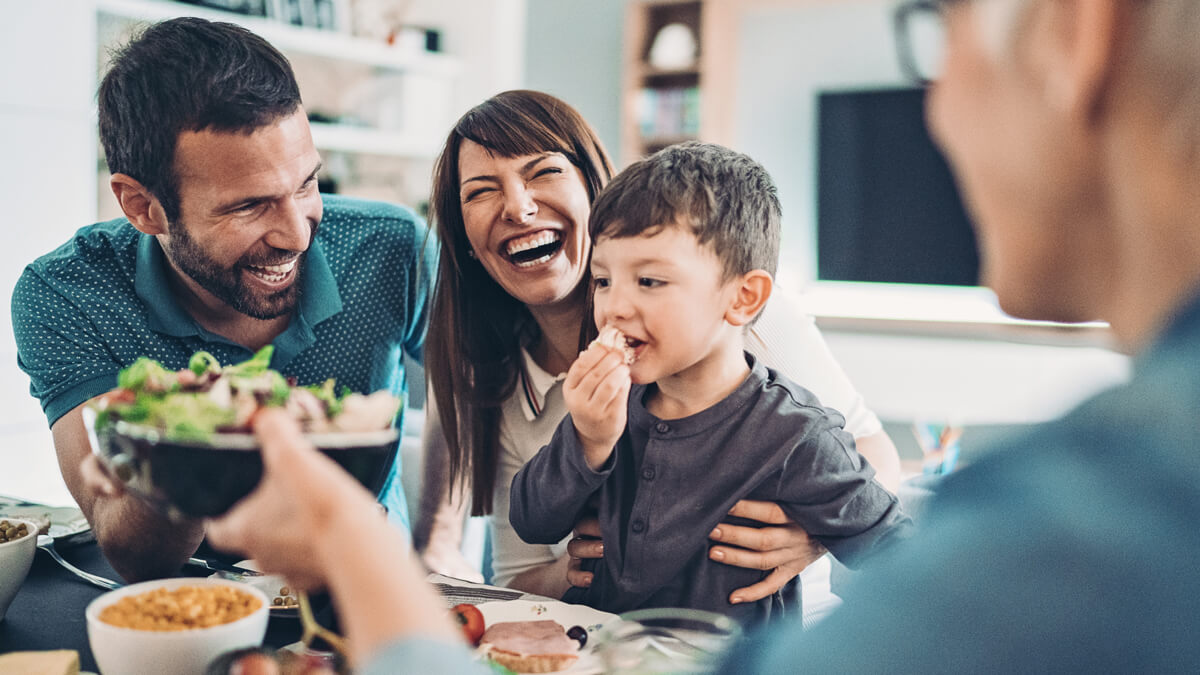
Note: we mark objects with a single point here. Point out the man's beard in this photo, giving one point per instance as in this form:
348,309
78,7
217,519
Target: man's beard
225,282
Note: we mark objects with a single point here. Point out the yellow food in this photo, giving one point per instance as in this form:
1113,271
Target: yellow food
181,608
12,531
58,662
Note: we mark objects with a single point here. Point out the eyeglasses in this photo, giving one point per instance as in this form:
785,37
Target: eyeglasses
921,39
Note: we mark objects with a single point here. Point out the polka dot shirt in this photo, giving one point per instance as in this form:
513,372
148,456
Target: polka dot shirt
100,301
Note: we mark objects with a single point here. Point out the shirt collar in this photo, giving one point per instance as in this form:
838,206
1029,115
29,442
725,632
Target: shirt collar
319,299
535,382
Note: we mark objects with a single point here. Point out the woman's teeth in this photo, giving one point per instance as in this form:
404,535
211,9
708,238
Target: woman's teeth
272,273
534,249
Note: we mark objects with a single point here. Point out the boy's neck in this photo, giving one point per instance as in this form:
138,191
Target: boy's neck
702,385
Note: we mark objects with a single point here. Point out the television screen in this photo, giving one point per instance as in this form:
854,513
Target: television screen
887,207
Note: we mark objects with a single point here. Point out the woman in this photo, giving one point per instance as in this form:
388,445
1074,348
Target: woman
512,191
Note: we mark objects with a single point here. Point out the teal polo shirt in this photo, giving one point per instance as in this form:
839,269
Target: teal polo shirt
100,301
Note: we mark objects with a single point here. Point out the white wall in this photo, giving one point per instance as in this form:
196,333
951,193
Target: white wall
785,56
573,50
46,111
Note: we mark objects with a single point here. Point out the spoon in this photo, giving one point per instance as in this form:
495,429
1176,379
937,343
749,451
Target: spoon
46,543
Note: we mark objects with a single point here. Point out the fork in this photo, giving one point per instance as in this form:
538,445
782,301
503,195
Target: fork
46,543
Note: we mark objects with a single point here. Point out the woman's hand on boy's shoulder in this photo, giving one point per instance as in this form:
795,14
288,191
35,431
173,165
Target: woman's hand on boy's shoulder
596,391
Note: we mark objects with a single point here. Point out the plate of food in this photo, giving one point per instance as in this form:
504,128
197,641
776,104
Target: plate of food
548,636
285,601
182,441
65,523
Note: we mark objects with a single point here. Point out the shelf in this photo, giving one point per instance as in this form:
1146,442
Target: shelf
365,140
652,73
288,38
963,312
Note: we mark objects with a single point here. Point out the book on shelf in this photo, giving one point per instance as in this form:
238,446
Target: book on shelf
668,112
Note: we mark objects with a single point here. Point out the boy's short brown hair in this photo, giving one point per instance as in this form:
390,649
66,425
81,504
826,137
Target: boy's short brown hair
727,198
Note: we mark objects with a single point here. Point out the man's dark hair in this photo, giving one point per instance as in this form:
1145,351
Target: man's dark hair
181,75
725,197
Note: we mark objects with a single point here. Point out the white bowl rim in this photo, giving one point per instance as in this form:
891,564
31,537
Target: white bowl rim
92,612
33,531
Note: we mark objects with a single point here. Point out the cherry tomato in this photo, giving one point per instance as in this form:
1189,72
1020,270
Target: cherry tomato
470,620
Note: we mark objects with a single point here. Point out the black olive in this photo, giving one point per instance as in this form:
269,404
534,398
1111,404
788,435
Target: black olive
578,633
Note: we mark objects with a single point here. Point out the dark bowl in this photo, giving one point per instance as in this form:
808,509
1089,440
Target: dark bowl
201,479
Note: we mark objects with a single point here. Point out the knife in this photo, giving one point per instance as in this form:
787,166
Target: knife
218,566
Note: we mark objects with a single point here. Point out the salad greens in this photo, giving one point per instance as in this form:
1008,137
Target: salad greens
207,398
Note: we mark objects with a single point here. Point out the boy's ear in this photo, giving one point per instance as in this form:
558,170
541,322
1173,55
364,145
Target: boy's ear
142,208
751,293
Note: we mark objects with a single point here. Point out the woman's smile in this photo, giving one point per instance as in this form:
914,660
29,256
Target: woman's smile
531,250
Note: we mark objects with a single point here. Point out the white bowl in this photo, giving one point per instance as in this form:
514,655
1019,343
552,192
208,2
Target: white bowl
129,651
15,559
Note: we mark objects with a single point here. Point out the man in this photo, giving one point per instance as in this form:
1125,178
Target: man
226,246
1074,129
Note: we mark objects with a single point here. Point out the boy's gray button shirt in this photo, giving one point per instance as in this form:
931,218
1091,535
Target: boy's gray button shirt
668,484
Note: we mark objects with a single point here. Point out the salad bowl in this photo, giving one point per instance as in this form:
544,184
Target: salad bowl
201,478
181,440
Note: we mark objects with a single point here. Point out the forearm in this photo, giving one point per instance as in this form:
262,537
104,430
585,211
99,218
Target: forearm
386,598
549,580
544,505
879,450
139,543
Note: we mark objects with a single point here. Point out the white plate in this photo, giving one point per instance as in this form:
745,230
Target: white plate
268,584
67,524
552,610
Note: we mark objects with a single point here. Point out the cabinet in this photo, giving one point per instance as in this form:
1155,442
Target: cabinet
379,112
663,75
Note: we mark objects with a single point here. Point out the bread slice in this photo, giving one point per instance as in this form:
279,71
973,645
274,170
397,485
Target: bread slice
532,663
57,662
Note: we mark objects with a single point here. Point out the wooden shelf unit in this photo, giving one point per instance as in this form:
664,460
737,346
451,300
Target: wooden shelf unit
660,106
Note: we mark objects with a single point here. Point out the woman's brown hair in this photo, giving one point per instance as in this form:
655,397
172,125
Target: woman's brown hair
477,330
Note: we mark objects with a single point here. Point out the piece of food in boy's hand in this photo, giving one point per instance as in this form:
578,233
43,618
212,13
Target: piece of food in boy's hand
470,620
610,336
530,646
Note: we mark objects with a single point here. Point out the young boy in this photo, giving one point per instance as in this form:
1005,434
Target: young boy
669,429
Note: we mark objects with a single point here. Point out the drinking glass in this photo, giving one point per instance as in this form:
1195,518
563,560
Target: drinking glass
667,640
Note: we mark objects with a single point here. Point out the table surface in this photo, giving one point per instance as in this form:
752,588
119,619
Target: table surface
48,611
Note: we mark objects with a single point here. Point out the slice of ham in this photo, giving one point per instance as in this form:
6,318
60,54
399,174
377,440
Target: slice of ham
529,638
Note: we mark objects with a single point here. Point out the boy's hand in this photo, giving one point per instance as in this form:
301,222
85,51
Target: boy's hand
596,391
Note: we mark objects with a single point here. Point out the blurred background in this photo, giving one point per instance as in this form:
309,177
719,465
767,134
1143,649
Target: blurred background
875,236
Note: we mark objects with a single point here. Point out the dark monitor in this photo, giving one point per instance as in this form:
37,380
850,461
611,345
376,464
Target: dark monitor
887,207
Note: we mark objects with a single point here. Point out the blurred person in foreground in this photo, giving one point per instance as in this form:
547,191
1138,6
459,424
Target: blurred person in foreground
1074,129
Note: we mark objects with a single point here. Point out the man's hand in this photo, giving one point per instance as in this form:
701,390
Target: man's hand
785,548
596,391
138,542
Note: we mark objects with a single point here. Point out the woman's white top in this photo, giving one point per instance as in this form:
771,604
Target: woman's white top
784,338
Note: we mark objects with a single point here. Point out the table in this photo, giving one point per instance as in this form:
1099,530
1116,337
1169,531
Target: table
47,612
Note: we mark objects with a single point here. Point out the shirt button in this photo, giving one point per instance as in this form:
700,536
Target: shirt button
639,526
648,473
662,428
